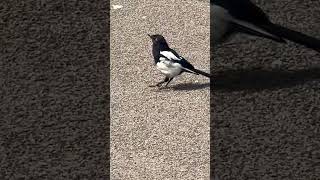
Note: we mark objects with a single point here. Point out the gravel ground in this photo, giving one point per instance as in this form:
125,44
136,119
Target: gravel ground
53,80
159,134
265,102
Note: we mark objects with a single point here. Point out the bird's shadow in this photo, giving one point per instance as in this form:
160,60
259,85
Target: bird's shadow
189,86
260,79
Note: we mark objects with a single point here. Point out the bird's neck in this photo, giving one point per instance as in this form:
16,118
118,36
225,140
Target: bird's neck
157,48
163,46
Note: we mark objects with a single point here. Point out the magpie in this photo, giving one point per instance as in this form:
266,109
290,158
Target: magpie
242,16
169,62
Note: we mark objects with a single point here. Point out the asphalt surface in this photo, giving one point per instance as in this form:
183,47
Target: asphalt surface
54,92
53,77
265,101
159,134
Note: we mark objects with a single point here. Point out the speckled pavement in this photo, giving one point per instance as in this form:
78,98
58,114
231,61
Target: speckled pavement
159,134
53,95
54,74
265,107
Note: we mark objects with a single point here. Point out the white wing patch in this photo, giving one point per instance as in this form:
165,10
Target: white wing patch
170,55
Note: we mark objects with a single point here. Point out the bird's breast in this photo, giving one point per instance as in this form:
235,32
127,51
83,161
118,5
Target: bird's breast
168,68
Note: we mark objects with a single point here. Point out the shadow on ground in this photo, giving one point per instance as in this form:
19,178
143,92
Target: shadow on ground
260,79
190,86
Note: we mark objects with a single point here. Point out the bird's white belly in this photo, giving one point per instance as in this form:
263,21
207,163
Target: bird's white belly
169,70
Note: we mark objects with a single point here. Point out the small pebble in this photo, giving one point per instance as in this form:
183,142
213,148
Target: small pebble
117,6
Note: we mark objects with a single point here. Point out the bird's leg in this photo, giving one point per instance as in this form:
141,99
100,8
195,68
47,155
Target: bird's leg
161,82
168,82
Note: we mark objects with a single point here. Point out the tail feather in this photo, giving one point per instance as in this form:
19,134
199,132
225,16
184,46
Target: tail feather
277,33
250,29
294,36
196,71
202,73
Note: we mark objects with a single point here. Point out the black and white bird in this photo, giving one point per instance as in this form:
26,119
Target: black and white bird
169,62
242,16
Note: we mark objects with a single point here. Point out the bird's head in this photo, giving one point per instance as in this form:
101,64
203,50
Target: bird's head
157,38
159,41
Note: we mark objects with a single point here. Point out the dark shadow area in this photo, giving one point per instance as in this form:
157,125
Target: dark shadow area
260,79
54,90
264,121
189,86
182,87
261,128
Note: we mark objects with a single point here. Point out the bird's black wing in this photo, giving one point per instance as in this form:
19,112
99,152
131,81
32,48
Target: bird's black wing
189,67
174,57
249,18
244,10
182,61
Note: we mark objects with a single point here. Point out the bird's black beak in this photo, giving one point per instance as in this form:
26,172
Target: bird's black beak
150,36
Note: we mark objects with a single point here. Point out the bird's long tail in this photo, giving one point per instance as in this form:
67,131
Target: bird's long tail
277,33
253,30
294,36
201,72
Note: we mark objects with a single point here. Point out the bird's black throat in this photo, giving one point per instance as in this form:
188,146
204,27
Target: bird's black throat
157,47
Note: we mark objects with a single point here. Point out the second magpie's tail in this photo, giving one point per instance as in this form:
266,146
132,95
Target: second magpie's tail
294,36
202,73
